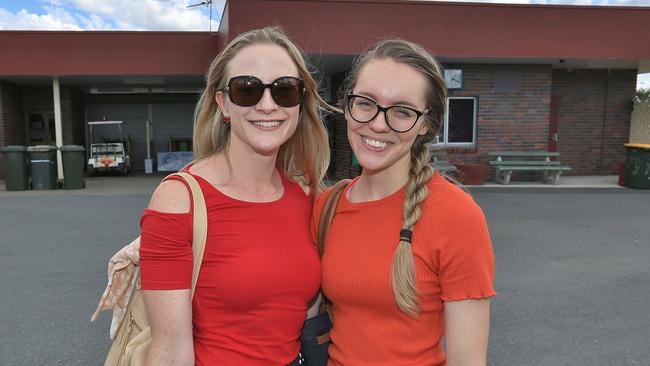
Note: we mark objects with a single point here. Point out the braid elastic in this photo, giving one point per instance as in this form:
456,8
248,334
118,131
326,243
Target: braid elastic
403,273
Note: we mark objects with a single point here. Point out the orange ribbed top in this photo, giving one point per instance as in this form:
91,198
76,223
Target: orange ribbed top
453,260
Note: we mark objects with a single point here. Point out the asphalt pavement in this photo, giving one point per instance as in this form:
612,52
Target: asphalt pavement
572,272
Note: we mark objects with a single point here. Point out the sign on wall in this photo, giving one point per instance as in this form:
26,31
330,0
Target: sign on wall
173,161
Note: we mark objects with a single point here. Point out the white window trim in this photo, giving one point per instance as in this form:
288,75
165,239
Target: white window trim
445,127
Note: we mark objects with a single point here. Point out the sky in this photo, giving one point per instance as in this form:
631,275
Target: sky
172,15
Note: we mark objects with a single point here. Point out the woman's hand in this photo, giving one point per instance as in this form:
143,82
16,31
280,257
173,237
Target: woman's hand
467,325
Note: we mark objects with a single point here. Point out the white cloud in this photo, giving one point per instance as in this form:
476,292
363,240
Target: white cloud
643,81
56,20
113,15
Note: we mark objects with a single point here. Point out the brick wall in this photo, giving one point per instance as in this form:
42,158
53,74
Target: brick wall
341,162
513,120
38,98
594,118
507,120
12,124
16,100
72,116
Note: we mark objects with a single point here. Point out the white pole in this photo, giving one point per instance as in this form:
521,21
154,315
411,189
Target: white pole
148,163
58,125
149,120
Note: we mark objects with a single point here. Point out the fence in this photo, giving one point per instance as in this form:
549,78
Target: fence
640,123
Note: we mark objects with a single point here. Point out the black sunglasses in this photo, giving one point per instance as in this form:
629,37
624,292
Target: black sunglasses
246,91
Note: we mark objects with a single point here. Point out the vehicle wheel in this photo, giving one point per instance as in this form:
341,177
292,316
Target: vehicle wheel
91,172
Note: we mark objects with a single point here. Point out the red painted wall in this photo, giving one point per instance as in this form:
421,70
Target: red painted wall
107,53
454,29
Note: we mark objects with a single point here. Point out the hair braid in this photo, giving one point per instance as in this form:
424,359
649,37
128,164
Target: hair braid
403,278
413,55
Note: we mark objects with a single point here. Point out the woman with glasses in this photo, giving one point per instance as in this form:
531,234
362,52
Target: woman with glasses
407,258
261,153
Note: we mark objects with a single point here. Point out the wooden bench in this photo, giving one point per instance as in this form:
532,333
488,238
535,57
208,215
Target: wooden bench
443,166
530,161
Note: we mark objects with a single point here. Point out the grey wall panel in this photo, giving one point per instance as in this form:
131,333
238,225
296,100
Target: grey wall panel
171,119
174,117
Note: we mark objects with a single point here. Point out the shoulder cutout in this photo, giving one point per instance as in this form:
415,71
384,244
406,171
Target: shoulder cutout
171,196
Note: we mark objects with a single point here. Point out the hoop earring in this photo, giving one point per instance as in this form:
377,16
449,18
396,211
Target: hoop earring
226,119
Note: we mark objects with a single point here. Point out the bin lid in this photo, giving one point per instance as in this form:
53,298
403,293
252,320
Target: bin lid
41,148
639,146
72,148
13,149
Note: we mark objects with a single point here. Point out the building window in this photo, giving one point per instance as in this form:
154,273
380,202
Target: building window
459,127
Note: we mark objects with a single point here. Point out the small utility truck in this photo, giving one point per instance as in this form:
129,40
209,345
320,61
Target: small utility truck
108,153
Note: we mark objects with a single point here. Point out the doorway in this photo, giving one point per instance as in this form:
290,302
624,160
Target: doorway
40,128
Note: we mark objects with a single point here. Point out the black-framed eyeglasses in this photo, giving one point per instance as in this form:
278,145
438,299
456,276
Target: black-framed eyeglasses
398,117
246,90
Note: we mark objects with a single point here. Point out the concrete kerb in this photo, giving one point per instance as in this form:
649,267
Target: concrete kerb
139,183
134,184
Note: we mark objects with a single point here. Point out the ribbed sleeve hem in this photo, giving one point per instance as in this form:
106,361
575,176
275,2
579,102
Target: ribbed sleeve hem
473,296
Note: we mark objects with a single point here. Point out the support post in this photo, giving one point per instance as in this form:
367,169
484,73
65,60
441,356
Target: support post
58,125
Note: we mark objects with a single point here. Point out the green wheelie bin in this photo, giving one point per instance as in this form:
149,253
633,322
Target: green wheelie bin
637,166
16,168
42,160
74,160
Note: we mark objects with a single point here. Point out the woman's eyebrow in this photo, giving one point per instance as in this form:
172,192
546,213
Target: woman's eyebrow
398,103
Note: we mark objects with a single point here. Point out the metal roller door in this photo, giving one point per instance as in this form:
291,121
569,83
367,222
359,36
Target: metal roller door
171,117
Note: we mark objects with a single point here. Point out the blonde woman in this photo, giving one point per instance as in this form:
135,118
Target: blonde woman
408,257
261,153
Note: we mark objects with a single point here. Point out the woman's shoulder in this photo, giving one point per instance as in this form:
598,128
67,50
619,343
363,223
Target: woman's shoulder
448,196
171,196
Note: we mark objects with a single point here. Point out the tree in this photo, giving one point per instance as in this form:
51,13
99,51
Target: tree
642,95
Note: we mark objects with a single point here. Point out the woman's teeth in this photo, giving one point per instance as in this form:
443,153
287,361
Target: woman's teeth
267,124
375,143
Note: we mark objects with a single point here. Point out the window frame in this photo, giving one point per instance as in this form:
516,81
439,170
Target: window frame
442,138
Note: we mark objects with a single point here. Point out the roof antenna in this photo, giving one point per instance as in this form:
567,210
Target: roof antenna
204,3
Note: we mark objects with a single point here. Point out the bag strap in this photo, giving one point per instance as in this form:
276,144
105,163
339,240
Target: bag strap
326,217
329,209
199,225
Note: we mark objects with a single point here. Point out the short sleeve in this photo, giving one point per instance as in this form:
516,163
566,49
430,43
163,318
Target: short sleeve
166,250
466,257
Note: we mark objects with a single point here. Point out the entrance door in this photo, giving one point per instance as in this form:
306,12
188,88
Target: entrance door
40,128
552,125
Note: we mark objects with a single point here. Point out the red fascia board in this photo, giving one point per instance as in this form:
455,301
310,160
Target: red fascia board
106,53
454,29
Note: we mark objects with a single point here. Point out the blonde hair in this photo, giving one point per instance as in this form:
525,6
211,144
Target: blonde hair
408,53
305,156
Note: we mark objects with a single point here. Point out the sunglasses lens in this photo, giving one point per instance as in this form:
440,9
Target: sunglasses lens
287,91
245,91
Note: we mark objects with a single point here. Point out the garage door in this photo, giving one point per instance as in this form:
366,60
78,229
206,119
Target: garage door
169,119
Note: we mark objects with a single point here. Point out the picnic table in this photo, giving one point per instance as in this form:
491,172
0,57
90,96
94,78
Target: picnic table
441,165
507,162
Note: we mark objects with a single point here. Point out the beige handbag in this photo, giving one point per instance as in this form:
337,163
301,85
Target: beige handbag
131,340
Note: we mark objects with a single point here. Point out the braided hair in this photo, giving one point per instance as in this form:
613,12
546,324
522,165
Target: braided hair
408,53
